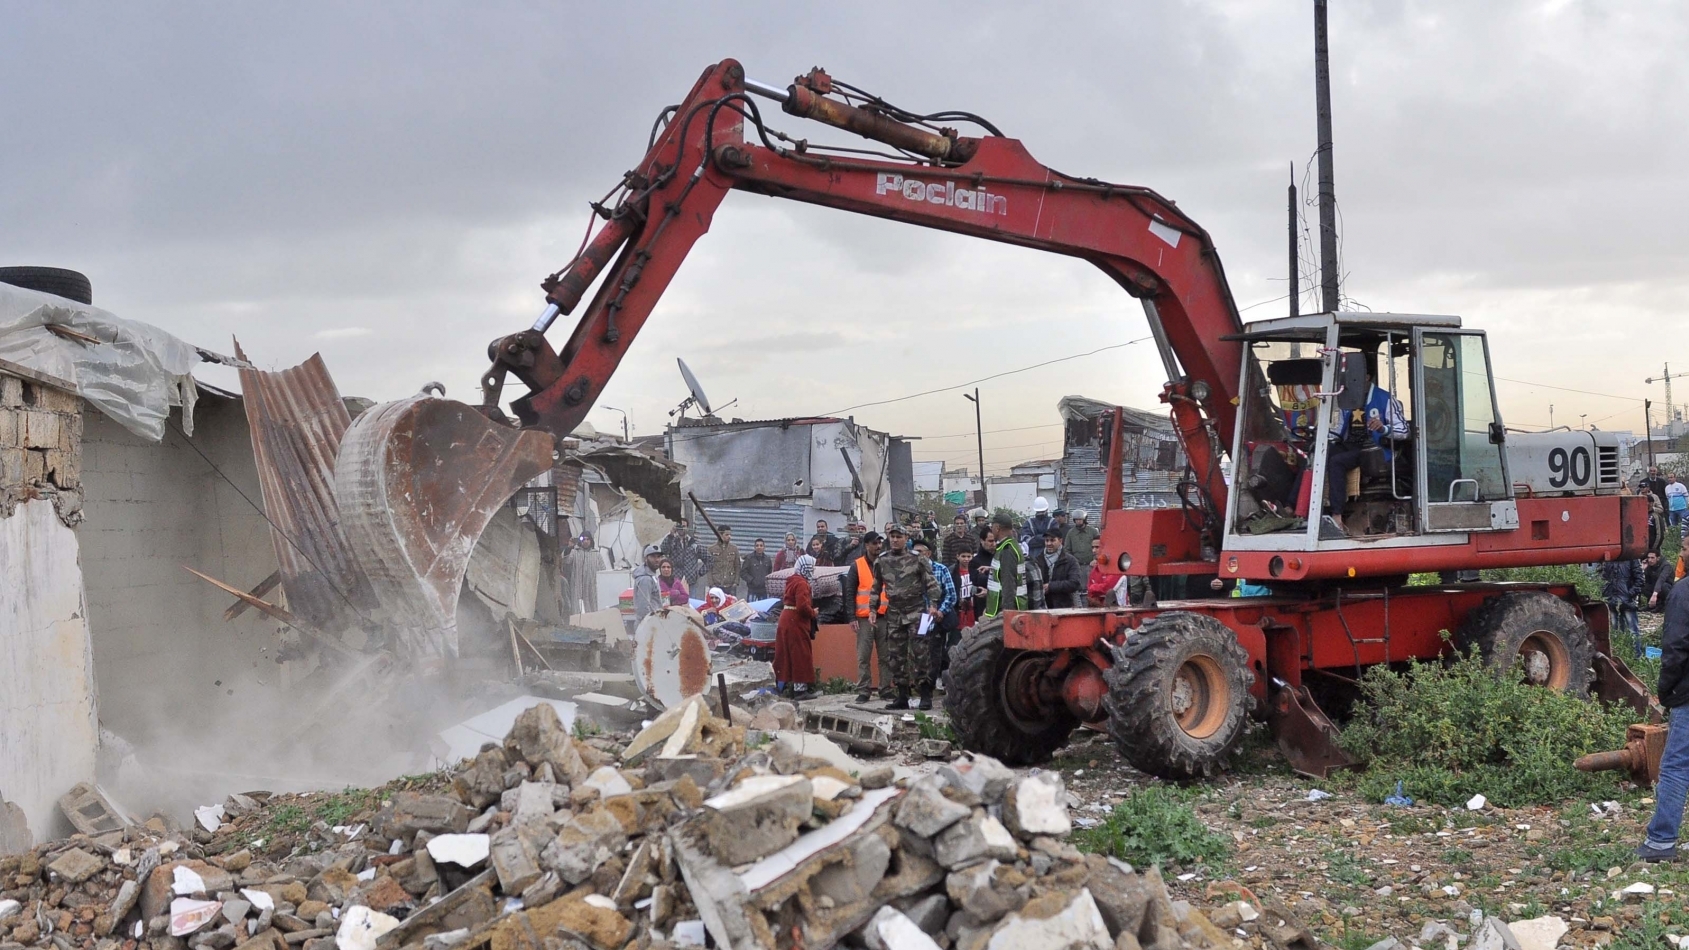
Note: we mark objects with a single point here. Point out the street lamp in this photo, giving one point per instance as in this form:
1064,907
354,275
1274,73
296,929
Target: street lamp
979,429
625,436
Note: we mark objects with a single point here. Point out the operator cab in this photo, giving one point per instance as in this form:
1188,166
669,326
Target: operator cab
1366,429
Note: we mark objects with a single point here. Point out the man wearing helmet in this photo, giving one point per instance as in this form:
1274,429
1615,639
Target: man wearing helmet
1039,524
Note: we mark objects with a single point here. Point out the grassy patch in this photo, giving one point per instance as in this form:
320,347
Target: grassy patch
1585,580
838,685
585,728
931,728
1449,732
1156,825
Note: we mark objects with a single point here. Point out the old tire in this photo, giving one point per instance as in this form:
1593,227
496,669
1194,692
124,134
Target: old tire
981,671
50,280
1178,696
1535,628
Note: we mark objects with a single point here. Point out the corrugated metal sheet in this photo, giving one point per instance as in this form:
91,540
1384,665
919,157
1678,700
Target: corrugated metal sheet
751,522
297,420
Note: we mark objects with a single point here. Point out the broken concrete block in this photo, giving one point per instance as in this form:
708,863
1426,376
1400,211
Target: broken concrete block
984,777
483,782
878,776
514,859
361,927
538,737
10,908
76,866
974,839
602,926
608,781
1538,933
924,811
930,913
633,887
586,842
933,748
1077,926
889,929
1037,805
1120,897
757,817
1492,934
987,890
90,811
652,737
535,801
854,879
718,893
463,850
15,836
234,911
128,895
435,814
703,771
775,717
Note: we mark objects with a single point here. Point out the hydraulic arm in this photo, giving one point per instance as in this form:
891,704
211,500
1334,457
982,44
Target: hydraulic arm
987,187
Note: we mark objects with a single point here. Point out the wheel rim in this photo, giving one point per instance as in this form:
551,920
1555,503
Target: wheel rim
1200,696
1545,660
1020,693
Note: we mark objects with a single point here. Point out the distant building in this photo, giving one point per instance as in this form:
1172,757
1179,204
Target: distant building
768,477
1152,463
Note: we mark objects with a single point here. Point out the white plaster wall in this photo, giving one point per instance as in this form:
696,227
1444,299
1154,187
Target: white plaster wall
48,730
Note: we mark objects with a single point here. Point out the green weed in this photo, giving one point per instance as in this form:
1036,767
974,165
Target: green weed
931,728
1448,732
838,685
1155,825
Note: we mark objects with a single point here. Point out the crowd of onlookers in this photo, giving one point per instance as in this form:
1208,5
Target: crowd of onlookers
1632,586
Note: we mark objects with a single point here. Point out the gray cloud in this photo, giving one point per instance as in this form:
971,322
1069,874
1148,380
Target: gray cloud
288,173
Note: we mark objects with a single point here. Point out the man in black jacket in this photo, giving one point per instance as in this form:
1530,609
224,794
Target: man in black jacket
1056,573
1673,690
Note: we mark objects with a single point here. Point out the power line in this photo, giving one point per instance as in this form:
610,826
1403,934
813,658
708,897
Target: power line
983,379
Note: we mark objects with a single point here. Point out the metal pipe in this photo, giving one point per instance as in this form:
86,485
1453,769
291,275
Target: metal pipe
777,93
808,104
547,318
1169,360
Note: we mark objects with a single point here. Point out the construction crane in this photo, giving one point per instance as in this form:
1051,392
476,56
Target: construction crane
1449,488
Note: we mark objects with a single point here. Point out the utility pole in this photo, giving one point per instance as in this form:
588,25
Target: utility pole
1328,186
1648,427
1551,417
625,436
979,428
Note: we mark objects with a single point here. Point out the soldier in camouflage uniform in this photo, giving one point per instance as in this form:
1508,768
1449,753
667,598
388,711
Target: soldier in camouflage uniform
905,582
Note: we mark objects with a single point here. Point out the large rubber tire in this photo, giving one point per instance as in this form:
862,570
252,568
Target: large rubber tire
1514,625
50,280
1178,696
974,701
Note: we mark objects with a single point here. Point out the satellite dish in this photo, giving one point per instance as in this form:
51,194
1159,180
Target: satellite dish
698,397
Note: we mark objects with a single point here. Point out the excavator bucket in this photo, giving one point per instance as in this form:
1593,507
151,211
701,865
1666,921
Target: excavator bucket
416,481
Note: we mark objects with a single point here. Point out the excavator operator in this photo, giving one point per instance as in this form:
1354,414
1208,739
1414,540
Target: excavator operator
1378,421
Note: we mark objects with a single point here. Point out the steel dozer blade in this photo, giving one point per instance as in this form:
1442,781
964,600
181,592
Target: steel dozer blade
416,482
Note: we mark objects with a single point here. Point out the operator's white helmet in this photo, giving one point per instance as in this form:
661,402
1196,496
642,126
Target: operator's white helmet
1040,505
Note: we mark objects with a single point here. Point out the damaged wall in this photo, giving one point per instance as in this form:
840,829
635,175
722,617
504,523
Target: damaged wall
152,508
48,731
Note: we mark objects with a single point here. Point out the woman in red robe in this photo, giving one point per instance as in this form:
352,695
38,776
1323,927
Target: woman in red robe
794,654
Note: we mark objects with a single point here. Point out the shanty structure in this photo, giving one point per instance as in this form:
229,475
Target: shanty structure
1153,458
768,477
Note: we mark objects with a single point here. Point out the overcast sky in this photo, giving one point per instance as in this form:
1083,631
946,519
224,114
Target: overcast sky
387,183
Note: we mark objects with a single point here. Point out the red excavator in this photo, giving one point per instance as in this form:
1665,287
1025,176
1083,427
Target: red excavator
1265,411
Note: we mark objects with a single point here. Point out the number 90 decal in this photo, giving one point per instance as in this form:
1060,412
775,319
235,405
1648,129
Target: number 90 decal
1568,467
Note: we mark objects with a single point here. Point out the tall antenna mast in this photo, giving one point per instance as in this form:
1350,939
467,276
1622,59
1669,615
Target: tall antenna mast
1328,188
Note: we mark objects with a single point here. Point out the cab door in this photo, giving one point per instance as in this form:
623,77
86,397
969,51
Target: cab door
1462,459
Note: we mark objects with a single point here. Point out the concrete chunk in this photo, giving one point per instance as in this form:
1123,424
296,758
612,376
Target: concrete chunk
889,929
652,737
76,866
535,801
435,814
1037,805
925,811
514,859
981,775
757,817
586,842
90,811
966,842
538,738
852,880
1077,927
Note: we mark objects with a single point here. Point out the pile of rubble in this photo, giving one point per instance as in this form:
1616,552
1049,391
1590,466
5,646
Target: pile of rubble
670,837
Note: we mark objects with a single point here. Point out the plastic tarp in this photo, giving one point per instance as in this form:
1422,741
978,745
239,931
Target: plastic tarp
134,374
